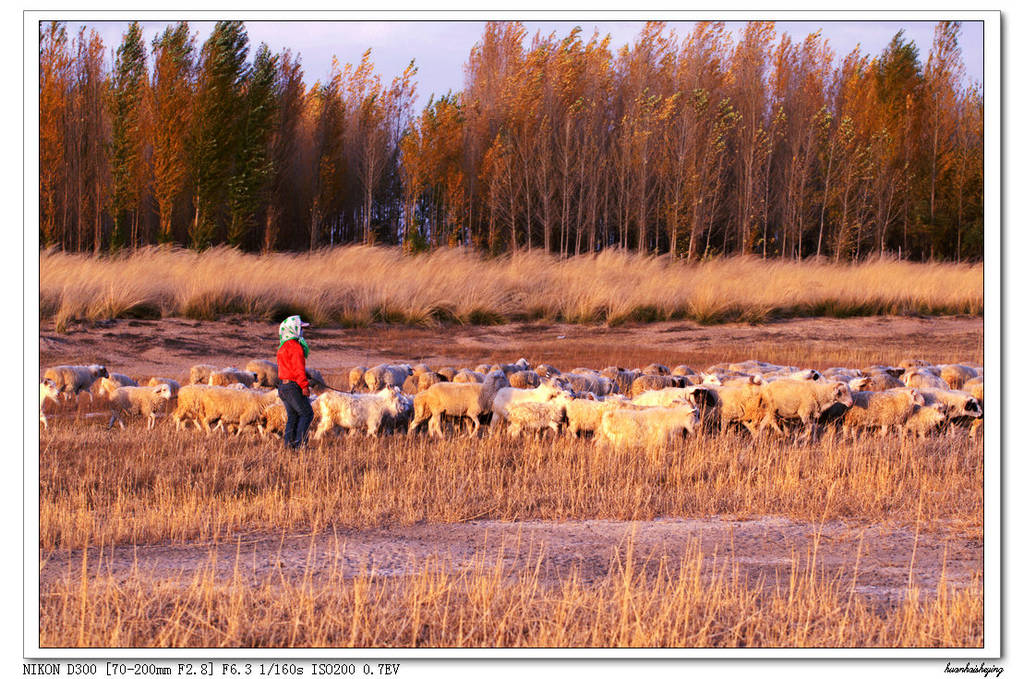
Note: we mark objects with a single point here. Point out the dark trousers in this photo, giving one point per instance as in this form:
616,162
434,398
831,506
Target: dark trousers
300,414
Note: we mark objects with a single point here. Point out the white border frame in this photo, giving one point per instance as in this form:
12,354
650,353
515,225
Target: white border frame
994,606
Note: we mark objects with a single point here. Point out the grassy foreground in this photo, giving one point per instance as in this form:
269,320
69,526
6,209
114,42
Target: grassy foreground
136,486
684,604
358,285
99,488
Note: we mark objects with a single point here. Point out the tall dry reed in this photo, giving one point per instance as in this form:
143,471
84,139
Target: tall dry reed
356,285
136,486
695,601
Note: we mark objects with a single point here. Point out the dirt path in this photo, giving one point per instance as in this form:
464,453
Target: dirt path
762,548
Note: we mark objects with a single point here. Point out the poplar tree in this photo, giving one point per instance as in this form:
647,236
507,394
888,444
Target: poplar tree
127,89
217,127
172,94
254,164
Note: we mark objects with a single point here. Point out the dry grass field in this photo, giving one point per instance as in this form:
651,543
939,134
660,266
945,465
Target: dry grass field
355,286
171,538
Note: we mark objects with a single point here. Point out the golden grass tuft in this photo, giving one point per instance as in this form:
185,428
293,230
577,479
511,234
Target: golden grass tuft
359,285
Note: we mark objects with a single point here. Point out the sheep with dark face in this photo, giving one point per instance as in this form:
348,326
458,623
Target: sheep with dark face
882,410
789,399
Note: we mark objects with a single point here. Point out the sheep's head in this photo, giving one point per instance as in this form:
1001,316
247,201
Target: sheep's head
710,379
98,370
163,391
917,397
973,408
49,389
841,394
700,397
107,386
860,384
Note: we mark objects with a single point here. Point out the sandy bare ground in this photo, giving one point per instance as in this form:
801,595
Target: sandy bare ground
764,548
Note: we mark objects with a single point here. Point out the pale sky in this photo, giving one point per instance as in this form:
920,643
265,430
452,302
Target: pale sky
441,48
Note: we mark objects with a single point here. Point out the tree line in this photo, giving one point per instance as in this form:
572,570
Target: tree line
694,145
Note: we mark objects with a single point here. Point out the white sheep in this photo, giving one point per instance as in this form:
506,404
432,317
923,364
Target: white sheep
925,419
881,409
428,379
524,379
355,378
200,373
647,427
879,381
190,405
507,396
584,414
456,399
518,366
229,376
956,375
71,380
622,378
122,380
655,369
144,401
961,407
384,375
239,407
696,396
465,376
47,392
737,403
354,412
587,382
535,416
265,371
173,384
685,371
275,418
920,378
841,374
649,382
545,370
803,400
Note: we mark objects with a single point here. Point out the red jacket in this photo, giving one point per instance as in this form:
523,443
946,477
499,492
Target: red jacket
291,365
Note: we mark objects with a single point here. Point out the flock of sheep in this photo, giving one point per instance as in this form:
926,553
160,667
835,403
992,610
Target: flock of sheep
646,407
